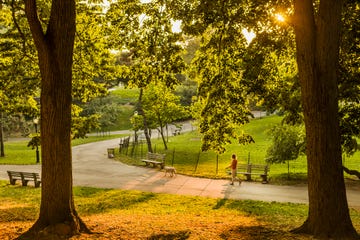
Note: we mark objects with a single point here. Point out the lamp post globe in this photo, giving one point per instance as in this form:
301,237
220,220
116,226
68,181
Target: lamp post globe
36,123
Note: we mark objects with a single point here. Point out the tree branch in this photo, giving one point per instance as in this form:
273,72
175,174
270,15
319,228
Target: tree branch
34,23
22,35
352,172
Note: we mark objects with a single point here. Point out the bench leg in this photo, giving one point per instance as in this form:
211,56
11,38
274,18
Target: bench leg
248,177
37,184
12,181
25,182
264,178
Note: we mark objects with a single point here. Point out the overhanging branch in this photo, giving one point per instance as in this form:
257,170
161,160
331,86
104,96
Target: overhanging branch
352,172
34,23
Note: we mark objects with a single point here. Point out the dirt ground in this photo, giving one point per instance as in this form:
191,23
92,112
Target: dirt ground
165,227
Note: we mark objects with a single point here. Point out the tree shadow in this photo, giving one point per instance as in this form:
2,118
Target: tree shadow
181,235
114,200
260,233
21,213
220,203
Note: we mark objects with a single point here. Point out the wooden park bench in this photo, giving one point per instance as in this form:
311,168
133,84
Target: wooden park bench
254,169
154,159
25,177
177,131
124,143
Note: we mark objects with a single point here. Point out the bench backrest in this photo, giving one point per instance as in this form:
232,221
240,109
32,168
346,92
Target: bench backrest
254,167
25,175
31,175
258,167
14,174
125,141
244,167
156,156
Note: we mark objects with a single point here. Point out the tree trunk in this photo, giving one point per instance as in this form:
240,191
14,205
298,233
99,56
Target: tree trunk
2,148
55,51
317,42
146,128
161,131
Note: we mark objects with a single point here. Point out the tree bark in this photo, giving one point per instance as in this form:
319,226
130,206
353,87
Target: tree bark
2,147
55,52
317,42
146,127
161,131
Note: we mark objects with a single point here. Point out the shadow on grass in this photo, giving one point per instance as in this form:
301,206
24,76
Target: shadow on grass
181,235
289,179
112,200
269,209
220,203
12,214
260,233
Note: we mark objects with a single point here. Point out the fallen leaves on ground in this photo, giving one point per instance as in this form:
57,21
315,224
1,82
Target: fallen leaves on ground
173,226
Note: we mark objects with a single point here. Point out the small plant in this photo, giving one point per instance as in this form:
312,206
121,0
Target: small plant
34,142
288,142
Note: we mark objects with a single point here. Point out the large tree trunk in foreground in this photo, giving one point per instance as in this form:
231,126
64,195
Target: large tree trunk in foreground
55,52
317,40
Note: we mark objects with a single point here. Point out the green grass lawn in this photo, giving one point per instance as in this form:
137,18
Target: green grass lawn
17,152
23,205
184,153
127,95
276,219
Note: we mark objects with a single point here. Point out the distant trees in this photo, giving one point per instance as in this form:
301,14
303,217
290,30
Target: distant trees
288,142
19,75
161,108
145,31
107,111
93,67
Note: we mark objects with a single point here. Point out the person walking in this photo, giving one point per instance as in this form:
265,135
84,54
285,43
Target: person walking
233,168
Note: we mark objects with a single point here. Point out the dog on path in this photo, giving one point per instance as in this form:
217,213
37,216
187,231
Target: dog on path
170,170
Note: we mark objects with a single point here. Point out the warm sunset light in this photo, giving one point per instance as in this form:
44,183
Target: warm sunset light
176,26
249,35
280,17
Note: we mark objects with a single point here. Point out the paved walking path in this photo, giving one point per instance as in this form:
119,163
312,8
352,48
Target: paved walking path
92,167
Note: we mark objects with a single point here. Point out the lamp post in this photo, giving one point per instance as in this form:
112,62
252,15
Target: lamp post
36,122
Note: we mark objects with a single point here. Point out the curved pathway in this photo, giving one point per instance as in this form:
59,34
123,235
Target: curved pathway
92,167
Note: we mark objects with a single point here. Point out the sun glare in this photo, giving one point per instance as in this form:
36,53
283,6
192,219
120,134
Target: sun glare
280,17
176,26
249,36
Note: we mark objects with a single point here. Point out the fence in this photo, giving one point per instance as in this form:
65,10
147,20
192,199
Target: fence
210,164
206,163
